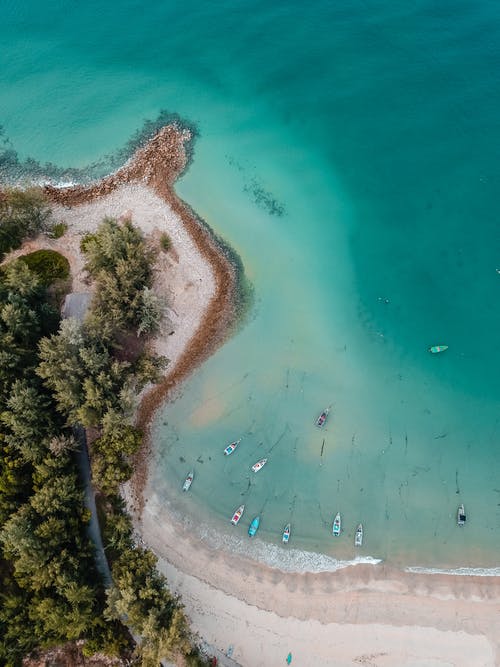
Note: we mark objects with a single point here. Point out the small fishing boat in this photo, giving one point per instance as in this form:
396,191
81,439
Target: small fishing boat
254,526
259,465
230,448
188,481
461,516
238,514
438,348
336,525
321,420
286,534
358,538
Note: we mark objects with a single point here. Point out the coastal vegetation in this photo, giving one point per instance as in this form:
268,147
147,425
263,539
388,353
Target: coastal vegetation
54,376
57,230
165,242
23,214
50,266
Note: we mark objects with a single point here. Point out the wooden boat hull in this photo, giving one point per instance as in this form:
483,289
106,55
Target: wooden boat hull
461,516
230,448
337,525
259,465
237,515
321,420
435,349
254,526
187,482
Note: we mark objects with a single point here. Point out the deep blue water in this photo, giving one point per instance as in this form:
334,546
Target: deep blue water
349,152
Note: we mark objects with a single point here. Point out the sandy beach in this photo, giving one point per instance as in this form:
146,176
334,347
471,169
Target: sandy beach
361,615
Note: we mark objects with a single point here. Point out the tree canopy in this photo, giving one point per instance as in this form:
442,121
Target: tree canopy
23,213
54,376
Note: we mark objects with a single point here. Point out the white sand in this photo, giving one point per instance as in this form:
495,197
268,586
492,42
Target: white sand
363,615
182,275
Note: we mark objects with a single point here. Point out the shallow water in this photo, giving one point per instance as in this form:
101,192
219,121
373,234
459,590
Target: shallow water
349,154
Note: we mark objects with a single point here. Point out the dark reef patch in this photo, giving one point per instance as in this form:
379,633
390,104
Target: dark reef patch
264,199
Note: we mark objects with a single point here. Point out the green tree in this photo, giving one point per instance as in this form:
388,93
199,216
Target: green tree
23,213
28,421
150,312
85,379
120,263
111,452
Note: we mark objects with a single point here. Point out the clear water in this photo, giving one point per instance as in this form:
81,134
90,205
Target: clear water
349,153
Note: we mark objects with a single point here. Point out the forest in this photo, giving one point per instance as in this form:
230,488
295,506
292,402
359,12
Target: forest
58,378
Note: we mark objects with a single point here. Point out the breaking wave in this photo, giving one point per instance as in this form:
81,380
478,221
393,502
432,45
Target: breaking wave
459,571
286,559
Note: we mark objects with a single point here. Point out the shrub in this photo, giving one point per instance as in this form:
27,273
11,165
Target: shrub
57,230
165,242
48,265
23,213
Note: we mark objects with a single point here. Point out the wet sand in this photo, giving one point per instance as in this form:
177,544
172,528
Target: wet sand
361,615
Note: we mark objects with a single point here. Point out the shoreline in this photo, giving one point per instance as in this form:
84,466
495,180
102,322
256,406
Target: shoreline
370,614
392,617
157,165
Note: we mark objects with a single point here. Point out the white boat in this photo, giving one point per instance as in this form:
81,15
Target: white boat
259,465
230,448
188,481
321,420
286,534
337,524
358,538
435,349
238,514
461,516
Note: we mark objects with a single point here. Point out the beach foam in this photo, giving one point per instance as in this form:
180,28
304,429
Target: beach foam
285,559
459,571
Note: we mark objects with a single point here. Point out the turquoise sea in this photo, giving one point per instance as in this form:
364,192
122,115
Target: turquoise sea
349,153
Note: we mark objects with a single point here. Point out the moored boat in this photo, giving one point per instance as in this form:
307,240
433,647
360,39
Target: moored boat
358,538
461,516
254,526
230,448
286,534
259,465
237,514
336,525
321,420
188,481
438,348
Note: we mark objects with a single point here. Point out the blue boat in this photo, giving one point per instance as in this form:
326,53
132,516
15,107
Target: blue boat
230,448
254,526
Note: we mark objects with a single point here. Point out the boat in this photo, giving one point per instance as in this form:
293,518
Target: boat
259,465
358,538
438,348
336,525
188,481
230,448
461,516
238,514
321,420
254,526
286,533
